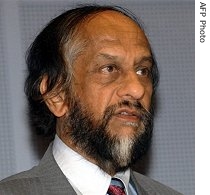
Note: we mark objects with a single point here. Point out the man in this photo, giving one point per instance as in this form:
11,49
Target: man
91,83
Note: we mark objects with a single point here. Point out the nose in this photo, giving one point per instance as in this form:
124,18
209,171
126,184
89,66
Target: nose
131,87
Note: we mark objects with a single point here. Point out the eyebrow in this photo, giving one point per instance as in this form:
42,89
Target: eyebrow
146,58
138,61
107,56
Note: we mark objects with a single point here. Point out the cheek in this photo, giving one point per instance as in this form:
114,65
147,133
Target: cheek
148,97
99,99
94,98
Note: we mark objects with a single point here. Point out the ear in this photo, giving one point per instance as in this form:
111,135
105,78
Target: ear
55,102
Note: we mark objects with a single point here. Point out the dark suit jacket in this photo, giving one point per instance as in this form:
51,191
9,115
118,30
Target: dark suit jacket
48,179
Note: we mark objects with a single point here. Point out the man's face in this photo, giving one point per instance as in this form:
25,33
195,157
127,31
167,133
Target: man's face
112,82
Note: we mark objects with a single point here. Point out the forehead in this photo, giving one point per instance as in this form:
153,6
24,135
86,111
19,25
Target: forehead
112,27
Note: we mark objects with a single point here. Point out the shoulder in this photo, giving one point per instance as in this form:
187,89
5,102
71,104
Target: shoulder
151,186
27,182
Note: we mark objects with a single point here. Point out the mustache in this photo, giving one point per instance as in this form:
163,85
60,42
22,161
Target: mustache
143,114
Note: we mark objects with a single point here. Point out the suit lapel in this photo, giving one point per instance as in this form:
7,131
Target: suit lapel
52,178
140,190
54,181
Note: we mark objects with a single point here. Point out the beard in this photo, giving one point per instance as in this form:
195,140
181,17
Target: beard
95,138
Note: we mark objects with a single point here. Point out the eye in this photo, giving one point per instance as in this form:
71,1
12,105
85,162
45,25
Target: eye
109,69
144,71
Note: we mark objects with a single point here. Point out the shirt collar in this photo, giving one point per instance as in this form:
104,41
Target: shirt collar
124,177
85,177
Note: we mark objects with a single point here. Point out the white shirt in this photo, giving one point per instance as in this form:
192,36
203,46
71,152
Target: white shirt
85,177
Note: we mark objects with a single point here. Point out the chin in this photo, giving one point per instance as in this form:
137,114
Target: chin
126,130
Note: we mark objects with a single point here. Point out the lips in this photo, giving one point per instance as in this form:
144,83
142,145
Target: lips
127,114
